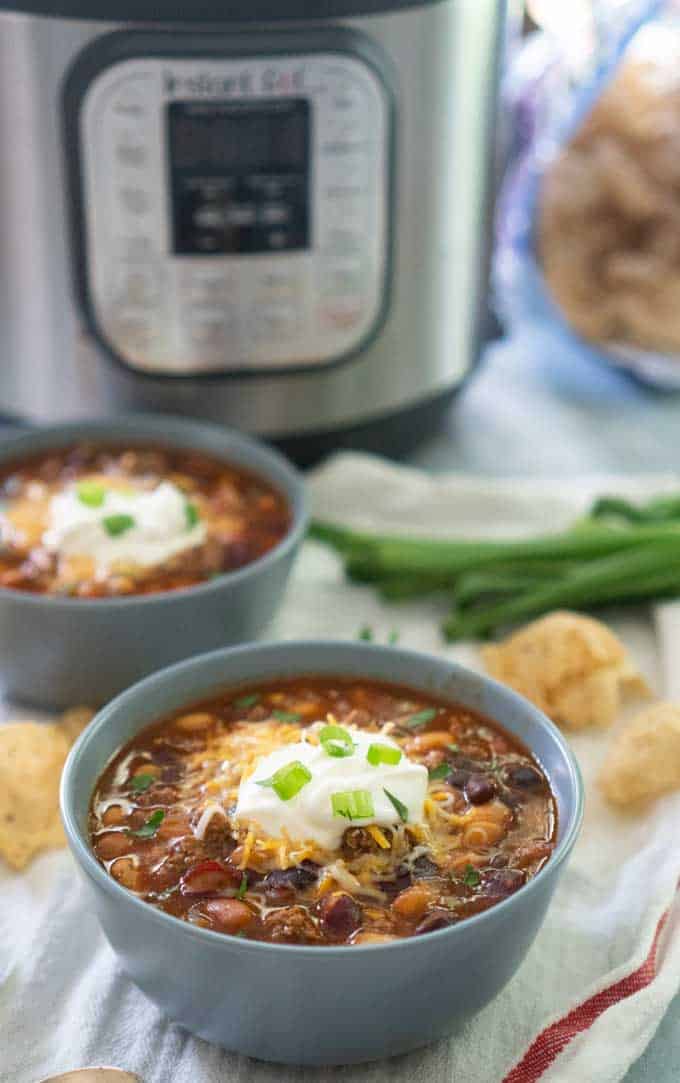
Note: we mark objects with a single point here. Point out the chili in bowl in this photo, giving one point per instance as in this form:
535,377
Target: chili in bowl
128,544
320,852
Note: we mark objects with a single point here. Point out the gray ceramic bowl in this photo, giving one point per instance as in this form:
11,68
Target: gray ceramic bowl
58,652
317,1005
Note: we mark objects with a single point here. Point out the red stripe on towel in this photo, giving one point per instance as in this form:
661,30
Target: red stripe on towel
550,1042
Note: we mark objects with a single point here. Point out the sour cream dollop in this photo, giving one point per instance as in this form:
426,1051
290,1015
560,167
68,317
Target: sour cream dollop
309,814
156,526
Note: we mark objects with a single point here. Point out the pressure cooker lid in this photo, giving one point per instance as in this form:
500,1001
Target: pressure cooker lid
207,11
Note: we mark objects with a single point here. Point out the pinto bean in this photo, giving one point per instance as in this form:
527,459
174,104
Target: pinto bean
208,877
125,872
413,902
340,914
113,816
192,723
372,938
230,915
114,844
426,742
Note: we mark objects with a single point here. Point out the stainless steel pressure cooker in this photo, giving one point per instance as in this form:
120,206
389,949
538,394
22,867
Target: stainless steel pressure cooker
272,213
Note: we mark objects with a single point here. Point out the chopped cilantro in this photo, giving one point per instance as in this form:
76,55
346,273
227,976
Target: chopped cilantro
471,876
140,783
286,716
150,827
441,771
420,719
400,807
243,702
243,886
366,633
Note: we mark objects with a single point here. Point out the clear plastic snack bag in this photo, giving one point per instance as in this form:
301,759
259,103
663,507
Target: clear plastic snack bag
589,217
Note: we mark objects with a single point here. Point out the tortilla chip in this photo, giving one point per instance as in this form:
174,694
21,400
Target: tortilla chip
643,761
572,667
32,755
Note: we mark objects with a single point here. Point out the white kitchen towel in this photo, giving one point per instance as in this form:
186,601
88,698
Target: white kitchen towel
606,963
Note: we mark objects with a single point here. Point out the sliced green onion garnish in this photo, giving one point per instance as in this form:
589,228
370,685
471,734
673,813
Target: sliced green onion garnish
439,772
453,748
402,811
378,754
471,876
91,493
288,780
191,513
353,804
419,719
141,782
150,827
286,716
393,637
247,701
336,741
117,524
243,886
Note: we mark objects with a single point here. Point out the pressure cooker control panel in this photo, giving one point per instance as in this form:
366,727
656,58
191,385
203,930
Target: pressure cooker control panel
235,211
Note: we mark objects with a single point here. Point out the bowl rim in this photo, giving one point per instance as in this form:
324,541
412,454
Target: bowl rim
85,857
157,426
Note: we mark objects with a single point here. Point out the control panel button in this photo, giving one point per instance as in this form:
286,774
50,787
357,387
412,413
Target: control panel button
341,315
275,322
274,214
134,200
135,331
130,153
198,287
279,282
136,286
344,278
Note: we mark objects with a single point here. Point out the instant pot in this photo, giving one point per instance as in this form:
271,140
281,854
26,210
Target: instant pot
271,213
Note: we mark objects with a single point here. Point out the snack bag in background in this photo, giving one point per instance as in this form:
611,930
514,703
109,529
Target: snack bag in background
589,219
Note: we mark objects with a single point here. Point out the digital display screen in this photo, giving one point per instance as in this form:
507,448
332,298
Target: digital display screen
239,173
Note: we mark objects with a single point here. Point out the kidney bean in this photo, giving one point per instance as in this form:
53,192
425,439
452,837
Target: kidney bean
458,777
423,868
523,776
479,789
281,885
502,882
231,915
436,919
340,914
208,877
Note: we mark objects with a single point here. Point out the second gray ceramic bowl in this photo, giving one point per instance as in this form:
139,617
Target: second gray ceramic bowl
58,652
317,1005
